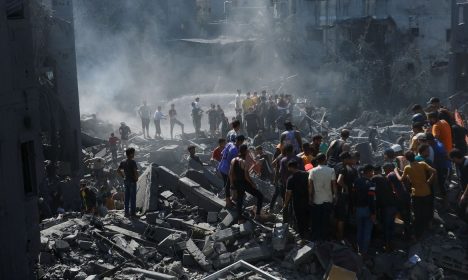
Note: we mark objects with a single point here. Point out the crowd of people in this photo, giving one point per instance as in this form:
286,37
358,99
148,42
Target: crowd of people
320,182
322,189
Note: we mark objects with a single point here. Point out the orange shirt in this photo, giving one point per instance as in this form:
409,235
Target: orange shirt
442,131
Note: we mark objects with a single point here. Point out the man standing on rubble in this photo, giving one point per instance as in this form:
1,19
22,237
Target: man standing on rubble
124,131
251,122
423,203
291,136
386,204
128,169
347,175
240,182
284,172
230,152
296,187
113,147
173,120
212,119
322,193
336,148
145,114
158,116
365,208
197,114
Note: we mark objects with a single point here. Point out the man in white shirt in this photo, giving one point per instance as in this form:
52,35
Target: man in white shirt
145,115
322,190
238,105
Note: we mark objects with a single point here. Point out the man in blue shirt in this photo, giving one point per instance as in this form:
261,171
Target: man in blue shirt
228,154
441,162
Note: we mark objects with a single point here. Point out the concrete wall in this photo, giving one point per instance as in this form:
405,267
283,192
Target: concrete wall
20,163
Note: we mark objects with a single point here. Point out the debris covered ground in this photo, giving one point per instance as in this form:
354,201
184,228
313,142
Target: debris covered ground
184,232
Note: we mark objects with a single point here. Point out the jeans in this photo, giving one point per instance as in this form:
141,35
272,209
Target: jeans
388,219
321,220
130,197
364,228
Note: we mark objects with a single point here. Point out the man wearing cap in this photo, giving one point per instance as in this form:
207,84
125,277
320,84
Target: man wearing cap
291,136
441,130
230,151
124,131
322,193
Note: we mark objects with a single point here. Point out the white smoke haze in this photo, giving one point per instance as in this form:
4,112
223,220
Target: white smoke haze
126,54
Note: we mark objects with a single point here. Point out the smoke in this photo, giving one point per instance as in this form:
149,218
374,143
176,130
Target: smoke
129,51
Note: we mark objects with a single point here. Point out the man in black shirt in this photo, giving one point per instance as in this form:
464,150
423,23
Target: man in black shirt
297,188
347,174
365,208
129,171
124,131
386,204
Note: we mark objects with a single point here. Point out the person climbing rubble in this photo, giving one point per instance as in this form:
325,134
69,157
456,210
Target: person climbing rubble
240,183
124,131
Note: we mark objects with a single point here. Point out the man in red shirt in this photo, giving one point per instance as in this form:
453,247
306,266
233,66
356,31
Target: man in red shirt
113,140
216,156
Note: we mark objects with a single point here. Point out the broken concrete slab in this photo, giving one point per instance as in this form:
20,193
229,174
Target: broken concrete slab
167,178
148,190
167,245
225,234
158,234
85,245
254,254
304,254
167,156
230,218
199,196
199,257
61,246
223,260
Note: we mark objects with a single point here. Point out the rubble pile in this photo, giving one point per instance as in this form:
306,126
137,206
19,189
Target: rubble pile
184,232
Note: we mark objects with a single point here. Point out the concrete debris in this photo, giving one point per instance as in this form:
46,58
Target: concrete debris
183,231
